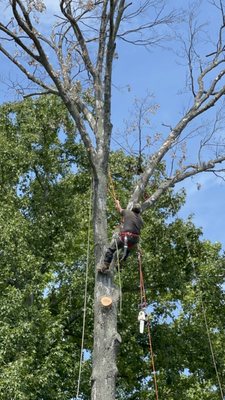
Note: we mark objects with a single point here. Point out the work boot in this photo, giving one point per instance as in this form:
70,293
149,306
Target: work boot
103,267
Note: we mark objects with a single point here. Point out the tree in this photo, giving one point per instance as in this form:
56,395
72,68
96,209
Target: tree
40,252
75,63
43,230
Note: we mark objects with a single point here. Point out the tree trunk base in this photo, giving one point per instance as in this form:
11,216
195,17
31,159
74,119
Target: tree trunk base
106,339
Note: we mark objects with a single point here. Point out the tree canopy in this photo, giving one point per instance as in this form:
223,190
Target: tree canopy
45,185
46,192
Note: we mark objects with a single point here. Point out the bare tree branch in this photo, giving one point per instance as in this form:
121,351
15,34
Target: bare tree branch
102,39
121,9
202,103
28,74
110,48
17,40
65,6
187,172
156,158
32,34
44,93
77,59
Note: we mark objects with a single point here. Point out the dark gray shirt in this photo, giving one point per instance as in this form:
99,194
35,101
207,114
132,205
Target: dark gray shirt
132,222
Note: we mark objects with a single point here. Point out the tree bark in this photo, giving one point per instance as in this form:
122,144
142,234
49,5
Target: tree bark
106,338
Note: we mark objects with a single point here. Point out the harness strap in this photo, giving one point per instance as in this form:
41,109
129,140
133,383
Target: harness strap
129,234
126,238
125,248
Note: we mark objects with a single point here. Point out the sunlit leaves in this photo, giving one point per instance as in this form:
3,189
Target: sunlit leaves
44,215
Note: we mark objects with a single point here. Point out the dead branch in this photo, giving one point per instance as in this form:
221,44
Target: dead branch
65,7
186,172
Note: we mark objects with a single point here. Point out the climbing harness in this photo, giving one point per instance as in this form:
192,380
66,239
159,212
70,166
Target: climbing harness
144,320
125,247
129,234
142,317
124,236
85,291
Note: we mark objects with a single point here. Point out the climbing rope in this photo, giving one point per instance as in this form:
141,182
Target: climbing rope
85,292
111,186
119,275
142,289
143,306
205,321
112,189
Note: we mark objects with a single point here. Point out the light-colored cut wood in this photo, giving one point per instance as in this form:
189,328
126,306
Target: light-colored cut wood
106,301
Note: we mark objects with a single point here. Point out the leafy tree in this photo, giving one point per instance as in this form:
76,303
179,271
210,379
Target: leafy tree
42,258
74,61
44,206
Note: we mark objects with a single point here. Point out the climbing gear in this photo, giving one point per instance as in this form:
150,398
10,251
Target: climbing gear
125,248
143,305
119,275
130,240
136,208
130,234
115,235
142,319
103,267
125,236
111,186
85,290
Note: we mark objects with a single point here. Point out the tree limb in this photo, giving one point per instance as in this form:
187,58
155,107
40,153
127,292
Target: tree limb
67,12
18,41
102,39
29,75
186,172
121,9
32,34
25,96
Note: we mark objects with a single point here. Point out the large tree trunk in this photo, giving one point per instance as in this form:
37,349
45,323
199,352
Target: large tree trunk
106,341
106,338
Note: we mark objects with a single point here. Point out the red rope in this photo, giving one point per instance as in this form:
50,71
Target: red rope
144,304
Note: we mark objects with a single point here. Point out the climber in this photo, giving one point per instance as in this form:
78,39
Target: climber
128,236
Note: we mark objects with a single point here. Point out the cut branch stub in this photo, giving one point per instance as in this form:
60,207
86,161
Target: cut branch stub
106,301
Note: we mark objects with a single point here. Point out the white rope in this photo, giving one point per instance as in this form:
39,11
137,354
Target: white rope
119,275
85,294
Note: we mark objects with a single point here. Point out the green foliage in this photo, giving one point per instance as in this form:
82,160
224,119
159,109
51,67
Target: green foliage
43,207
182,273
45,195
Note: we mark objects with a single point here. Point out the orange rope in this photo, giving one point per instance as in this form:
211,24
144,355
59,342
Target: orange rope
112,187
144,300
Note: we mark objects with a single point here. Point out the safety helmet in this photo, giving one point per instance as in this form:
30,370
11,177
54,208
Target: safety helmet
136,208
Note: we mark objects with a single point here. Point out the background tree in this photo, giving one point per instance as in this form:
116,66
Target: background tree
43,259
75,63
41,255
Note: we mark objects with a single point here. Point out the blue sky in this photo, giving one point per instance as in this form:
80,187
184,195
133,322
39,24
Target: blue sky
163,73
207,204
160,72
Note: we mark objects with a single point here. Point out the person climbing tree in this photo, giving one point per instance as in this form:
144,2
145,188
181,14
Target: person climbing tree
128,236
